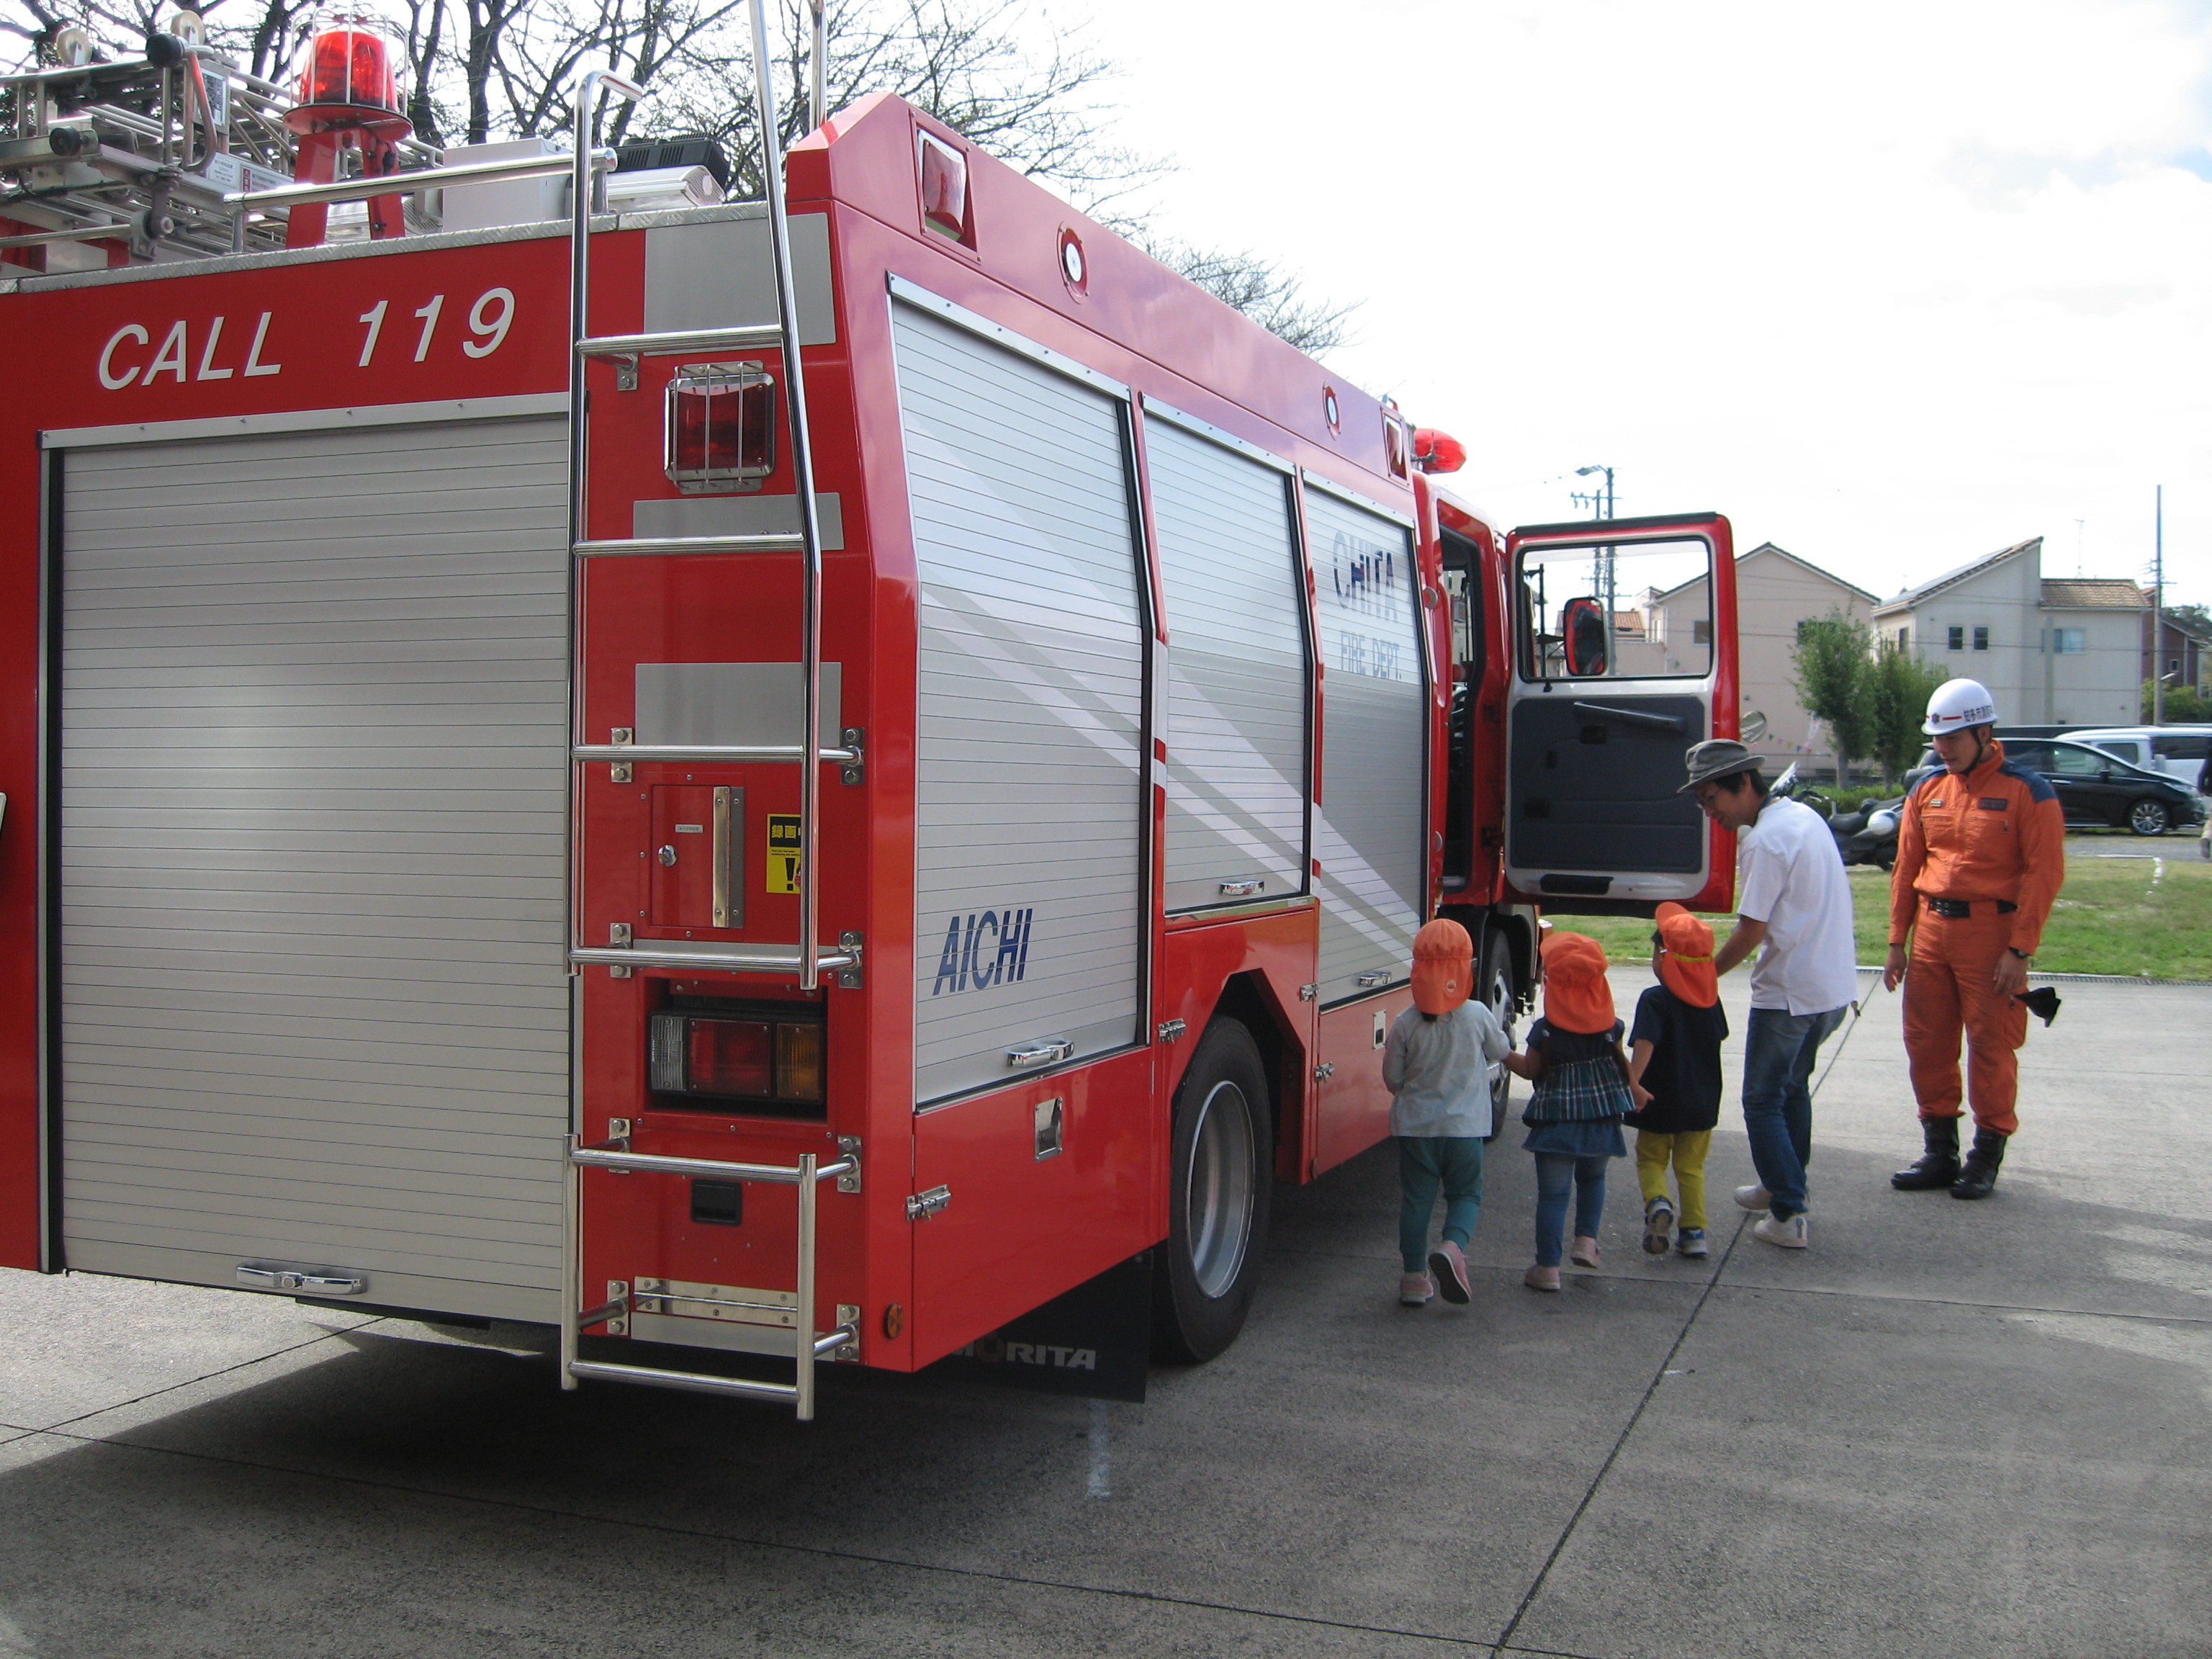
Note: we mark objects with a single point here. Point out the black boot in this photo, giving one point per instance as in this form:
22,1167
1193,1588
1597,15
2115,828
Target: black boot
1978,1174
1939,1165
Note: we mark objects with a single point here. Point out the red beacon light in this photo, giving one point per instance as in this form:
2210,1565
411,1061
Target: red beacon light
347,94
945,189
1437,451
721,423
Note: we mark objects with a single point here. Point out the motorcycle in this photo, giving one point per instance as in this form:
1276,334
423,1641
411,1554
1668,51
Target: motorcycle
1866,836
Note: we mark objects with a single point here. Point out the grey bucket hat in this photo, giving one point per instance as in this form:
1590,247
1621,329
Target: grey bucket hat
1717,757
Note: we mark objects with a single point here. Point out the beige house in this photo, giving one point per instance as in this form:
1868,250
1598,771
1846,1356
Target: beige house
2054,651
1775,592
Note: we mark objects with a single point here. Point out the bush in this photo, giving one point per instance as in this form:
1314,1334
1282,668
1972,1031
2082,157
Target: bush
2185,706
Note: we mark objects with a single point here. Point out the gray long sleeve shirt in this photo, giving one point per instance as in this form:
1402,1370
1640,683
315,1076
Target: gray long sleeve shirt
1438,1070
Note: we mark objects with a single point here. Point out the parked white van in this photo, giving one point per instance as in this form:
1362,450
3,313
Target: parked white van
2177,750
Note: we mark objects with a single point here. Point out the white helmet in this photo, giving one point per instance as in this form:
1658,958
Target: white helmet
1958,704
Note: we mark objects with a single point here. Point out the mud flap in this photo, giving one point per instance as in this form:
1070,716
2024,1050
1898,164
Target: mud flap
1095,1340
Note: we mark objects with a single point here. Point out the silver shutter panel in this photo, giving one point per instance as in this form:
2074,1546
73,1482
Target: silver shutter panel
1371,831
1029,776
313,797
1237,671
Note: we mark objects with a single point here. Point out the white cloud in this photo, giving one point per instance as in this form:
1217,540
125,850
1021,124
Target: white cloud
1892,287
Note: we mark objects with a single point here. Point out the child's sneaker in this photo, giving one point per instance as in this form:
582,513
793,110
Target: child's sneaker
1415,1290
1658,1222
1691,1242
1541,1279
1448,1266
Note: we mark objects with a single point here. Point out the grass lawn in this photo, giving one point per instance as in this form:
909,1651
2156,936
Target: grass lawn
2140,916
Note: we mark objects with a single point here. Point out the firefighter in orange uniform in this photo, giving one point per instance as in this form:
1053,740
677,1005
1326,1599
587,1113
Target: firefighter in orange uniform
1981,853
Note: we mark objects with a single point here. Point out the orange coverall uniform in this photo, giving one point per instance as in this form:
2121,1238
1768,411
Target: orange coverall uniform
1993,841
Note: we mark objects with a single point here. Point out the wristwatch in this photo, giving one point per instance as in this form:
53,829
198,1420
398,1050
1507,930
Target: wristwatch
2016,951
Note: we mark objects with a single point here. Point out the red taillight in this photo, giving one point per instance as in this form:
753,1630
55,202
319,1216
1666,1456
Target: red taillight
943,187
730,1057
720,428
727,1058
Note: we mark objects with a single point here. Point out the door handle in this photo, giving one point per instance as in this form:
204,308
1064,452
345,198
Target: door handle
1631,717
667,856
729,857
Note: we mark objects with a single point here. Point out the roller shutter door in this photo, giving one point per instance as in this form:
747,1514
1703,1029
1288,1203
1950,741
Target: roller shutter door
1371,833
314,793
1029,747
1236,697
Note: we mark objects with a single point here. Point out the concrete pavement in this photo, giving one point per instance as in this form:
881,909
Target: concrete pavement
1947,1429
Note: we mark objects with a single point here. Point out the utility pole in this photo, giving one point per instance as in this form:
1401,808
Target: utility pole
1602,508
2158,612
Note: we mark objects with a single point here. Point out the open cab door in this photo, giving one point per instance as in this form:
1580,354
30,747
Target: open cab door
1625,647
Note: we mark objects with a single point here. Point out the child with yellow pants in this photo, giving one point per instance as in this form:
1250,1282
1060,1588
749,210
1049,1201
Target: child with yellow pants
1674,1055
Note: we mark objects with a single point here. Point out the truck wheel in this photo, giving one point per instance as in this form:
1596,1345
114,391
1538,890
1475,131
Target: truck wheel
1493,985
2148,818
1219,1176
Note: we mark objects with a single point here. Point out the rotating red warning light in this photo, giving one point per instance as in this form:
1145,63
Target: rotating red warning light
347,79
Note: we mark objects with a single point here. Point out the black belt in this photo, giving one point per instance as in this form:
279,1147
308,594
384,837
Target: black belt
1959,909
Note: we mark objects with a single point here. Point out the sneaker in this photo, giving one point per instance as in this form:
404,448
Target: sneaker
1658,1222
1691,1241
1415,1290
1541,1279
1583,1252
1448,1266
1753,1197
1789,1234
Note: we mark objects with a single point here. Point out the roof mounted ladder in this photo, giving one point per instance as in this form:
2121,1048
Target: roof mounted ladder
808,960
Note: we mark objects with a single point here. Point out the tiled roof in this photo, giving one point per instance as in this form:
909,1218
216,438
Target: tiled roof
2091,593
1913,596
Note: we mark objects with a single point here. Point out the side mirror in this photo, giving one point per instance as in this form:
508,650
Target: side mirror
1582,627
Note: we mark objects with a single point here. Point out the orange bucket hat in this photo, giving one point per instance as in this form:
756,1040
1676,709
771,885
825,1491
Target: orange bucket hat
1687,969
1443,967
1576,995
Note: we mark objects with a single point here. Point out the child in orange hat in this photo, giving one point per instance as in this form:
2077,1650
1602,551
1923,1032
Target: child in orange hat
1582,1092
1674,1055
1436,1063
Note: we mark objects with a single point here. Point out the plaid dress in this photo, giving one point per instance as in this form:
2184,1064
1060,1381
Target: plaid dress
1578,1106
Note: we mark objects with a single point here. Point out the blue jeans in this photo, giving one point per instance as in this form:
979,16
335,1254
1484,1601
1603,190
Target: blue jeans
1555,1173
1426,1163
1778,1052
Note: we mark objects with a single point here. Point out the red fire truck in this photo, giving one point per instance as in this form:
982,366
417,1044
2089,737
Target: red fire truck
801,778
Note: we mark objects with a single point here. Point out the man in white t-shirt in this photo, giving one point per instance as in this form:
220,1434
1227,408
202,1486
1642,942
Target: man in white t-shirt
1796,904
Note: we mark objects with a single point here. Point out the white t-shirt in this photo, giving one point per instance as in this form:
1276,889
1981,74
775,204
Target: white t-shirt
1794,882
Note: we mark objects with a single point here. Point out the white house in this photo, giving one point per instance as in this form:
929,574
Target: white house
2053,650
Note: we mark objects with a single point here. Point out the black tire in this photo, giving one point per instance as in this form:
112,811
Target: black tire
1221,1174
1494,984
2149,817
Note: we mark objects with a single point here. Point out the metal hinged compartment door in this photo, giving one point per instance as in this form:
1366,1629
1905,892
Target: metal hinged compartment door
1624,655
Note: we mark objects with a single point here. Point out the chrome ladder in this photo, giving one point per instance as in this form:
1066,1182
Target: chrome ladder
808,960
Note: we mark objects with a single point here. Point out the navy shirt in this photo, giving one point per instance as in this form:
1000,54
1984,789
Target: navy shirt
1684,1071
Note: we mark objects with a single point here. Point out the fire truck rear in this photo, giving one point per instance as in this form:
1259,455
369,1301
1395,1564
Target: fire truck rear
801,779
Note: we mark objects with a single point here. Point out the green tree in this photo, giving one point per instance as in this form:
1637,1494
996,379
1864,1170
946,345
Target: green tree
1898,690
1833,659
2185,706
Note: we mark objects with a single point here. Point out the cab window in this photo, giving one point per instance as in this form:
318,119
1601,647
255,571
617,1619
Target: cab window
1638,610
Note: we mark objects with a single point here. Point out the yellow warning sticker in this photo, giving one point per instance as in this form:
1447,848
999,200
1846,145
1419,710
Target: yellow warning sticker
783,853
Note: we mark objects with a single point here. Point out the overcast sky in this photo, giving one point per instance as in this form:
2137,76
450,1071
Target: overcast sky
1890,285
